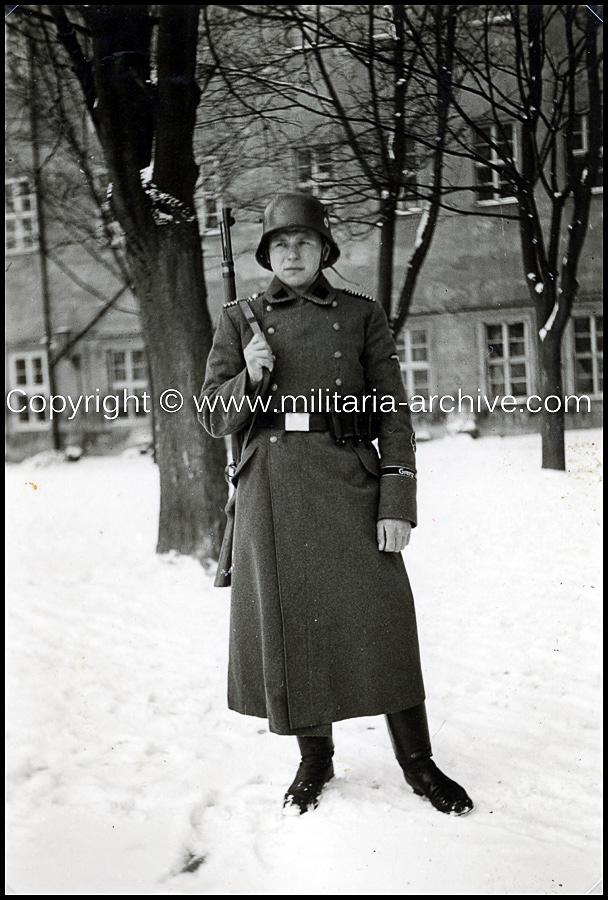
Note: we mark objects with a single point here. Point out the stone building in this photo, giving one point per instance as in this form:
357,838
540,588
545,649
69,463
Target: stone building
471,327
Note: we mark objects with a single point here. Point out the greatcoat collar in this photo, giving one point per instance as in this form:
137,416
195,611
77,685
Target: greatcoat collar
320,291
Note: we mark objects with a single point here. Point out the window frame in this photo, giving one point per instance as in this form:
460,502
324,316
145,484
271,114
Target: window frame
571,355
133,386
528,358
408,365
412,169
18,215
319,183
495,160
210,175
584,149
29,388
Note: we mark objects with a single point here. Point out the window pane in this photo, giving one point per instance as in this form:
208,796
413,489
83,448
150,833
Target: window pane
584,384
497,379
20,371
419,354
37,406
139,365
583,344
304,164
140,410
517,348
519,388
419,338
483,174
582,325
38,373
516,330
518,371
494,333
119,365
323,159
400,345
481,145
584,374
504,141
421,378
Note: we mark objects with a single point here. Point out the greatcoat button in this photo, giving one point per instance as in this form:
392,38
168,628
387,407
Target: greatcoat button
334,303
271,331
274,387
337,355
269,308
339,382
273,440
336,326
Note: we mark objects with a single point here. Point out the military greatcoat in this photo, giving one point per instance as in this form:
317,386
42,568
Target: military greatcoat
322,624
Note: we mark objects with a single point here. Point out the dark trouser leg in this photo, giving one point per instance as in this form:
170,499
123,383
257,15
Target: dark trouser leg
412,745
315,770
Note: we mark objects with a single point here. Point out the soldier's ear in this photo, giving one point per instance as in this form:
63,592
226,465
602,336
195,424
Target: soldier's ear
325,251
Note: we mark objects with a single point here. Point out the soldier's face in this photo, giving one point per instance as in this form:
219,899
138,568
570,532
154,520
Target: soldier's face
295,256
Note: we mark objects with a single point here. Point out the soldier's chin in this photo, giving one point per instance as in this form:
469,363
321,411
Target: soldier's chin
295,279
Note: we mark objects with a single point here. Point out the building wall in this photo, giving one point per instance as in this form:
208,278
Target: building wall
472,278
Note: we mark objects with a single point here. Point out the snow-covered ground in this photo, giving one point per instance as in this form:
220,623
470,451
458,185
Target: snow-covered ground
128,775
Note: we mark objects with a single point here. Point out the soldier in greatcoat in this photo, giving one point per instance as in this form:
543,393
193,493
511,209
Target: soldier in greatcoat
322,624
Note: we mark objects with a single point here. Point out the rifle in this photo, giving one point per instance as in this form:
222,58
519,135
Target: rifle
227,257
223,577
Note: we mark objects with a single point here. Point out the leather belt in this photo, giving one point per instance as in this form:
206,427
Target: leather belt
293,421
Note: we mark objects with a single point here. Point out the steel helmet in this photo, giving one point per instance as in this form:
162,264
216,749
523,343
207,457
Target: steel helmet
292,210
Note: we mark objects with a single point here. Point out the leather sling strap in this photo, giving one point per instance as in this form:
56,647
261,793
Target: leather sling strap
263,385
248,313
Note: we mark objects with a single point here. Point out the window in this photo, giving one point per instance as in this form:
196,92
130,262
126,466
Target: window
588,354
496,150
413,350
128,372
314,169
28,373
409,199
507,359
580,137
20,216
210,193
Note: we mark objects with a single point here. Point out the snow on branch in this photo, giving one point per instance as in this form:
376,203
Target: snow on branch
544,331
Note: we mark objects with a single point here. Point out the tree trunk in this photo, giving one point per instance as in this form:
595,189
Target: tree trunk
385,257
177,332
552,423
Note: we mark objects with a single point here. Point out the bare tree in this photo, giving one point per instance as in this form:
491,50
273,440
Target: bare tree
348,78
135,67
531,105
54,147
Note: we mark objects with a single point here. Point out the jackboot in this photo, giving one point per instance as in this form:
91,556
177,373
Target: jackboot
315,770
412,745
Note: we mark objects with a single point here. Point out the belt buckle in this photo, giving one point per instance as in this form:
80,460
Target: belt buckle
295,421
